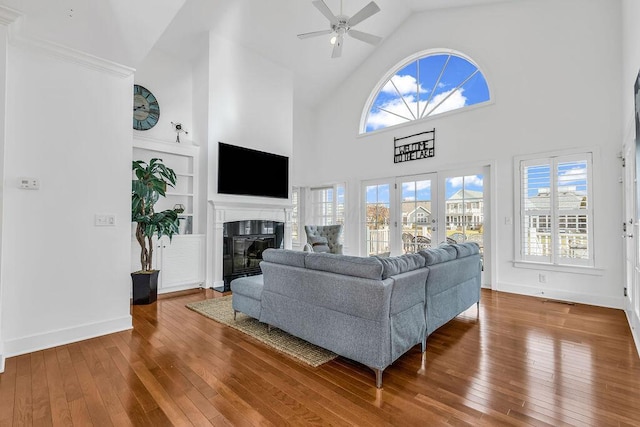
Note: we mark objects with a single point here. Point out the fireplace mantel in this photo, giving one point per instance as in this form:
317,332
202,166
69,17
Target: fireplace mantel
220,212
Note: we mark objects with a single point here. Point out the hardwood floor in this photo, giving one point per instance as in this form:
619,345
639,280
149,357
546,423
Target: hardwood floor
516,361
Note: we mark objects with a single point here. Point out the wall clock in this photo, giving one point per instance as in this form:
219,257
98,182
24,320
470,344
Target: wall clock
146,110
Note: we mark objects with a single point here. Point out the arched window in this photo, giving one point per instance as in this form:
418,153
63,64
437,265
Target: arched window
423,85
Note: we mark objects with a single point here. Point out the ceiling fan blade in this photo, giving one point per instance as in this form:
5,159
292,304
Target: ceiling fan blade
324,9
365,37
314,34
363,14
337,47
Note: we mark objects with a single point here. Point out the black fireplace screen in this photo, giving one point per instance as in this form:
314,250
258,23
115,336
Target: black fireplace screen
244,242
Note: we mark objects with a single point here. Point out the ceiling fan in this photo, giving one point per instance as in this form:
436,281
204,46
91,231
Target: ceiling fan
342,24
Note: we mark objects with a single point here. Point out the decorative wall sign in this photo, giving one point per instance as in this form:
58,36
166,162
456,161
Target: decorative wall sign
413,147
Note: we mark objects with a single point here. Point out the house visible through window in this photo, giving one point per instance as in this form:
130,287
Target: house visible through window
424,85
556,221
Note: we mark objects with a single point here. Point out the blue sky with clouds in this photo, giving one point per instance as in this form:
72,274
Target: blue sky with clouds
431,85
421,190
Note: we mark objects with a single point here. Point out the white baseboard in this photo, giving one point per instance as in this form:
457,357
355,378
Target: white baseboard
580,298
180,288
634,324
58,337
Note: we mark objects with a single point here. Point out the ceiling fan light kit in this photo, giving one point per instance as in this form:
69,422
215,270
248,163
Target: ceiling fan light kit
339,25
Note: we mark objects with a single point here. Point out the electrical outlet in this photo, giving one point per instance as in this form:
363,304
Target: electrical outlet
28,183
542,278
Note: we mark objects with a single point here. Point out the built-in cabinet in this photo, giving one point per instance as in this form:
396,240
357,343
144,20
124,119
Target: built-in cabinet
181,260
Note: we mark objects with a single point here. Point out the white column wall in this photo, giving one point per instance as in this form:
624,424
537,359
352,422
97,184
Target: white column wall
68,125
553,88
3,98
630,69
250,105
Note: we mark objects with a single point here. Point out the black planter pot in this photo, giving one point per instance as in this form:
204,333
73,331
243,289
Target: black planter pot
145,287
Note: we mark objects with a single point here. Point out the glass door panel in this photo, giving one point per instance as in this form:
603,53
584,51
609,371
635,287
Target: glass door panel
378,219
418,210
464,209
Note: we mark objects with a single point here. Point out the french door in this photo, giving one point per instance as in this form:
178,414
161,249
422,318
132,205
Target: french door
410,213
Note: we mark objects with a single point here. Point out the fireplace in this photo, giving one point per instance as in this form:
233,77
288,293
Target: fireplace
243,244
244,220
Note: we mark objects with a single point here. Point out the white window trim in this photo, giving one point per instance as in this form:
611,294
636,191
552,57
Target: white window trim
518,259
400,65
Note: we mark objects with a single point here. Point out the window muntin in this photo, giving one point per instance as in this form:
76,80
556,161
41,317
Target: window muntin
425,85
556,222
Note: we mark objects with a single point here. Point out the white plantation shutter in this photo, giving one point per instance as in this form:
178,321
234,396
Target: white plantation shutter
556,216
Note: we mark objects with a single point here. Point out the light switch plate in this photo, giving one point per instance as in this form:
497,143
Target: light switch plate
105,220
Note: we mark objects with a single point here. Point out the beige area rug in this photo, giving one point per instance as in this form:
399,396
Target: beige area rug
220,310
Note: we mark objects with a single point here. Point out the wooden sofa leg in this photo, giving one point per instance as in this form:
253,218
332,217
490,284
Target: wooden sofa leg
234,314
378,377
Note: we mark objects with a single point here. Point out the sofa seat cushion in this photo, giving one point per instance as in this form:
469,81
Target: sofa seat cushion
442,253
249,286
285,256
368,268
400,264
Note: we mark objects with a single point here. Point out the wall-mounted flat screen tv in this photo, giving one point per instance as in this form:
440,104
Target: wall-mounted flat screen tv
247,172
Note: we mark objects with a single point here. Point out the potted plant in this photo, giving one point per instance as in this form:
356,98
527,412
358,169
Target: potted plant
150,183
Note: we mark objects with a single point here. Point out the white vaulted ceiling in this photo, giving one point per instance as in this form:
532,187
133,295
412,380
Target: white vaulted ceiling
125,31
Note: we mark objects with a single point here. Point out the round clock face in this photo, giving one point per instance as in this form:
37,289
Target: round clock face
146,110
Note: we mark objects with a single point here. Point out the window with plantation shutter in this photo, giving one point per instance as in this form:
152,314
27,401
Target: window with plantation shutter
327,205
556,215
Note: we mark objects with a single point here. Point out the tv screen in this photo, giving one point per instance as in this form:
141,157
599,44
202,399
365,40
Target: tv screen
247,172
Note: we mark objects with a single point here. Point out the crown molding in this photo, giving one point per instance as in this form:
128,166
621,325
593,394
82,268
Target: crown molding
8,16
19,39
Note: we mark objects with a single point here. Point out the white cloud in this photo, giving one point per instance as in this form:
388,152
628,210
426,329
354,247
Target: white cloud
406,85
416,186
381,119
576,175
456,182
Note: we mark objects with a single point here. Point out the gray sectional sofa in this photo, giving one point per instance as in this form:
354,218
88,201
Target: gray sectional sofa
368,309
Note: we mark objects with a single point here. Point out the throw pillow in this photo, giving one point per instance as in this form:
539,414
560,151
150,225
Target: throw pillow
319,244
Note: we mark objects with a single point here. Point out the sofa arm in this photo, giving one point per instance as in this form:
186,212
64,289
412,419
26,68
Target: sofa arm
408,290
307,247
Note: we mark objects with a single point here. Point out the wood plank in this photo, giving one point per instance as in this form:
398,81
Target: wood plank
516,361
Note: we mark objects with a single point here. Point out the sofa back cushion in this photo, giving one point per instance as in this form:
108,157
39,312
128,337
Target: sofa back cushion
366,267
442,253
400,264
466,249
285,256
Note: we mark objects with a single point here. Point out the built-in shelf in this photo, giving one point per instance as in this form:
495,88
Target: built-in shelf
183,159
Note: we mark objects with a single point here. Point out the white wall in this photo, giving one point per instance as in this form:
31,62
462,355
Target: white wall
171,81
630,67
3,76
69,125
554,72
250,104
